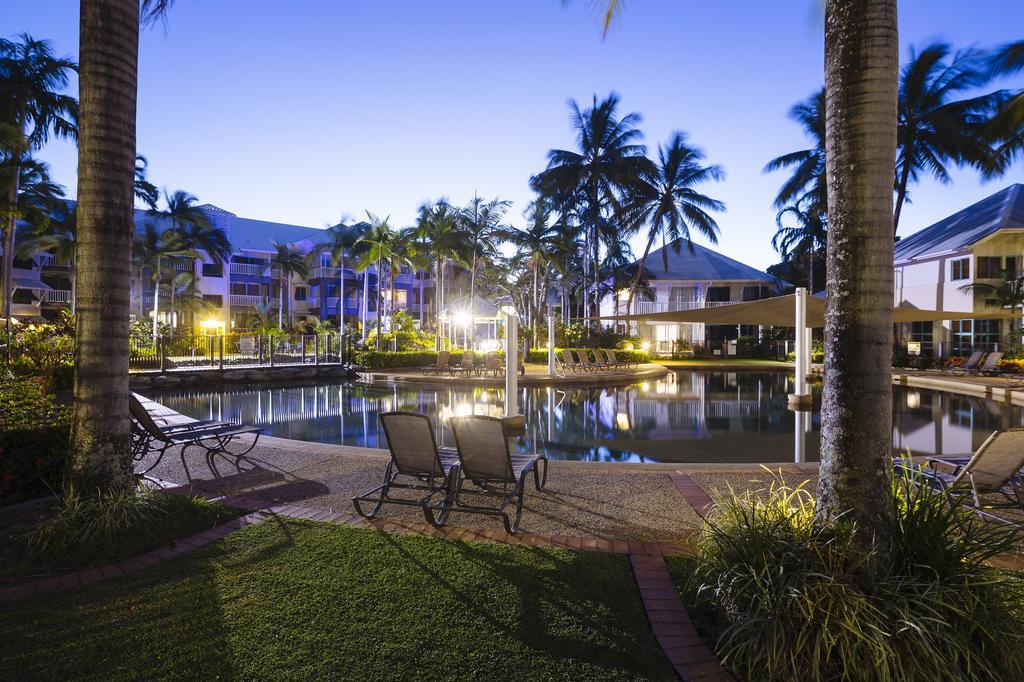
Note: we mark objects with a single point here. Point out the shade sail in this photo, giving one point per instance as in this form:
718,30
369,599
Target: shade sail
780,311
29,283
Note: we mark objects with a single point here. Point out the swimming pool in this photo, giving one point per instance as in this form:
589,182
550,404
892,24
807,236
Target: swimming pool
687,416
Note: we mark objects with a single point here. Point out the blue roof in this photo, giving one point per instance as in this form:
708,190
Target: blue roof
969,226
701,263
245,233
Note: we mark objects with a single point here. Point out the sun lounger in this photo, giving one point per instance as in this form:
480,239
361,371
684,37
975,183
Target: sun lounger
569,362
625,363
612,362
150,435
468,365
493,365
988,367
440,365
994,469
584,361
421,465
486,463
970,365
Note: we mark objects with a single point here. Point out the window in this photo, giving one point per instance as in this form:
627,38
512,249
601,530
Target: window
325,260
215,300
986,334
989,267
300,293
237,289
754,293
960,269
1012,265
718,294
213,270
921,332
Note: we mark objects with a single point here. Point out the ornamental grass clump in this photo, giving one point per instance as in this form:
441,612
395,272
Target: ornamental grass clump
784,598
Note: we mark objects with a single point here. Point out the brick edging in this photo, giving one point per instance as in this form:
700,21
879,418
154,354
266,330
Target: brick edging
671,623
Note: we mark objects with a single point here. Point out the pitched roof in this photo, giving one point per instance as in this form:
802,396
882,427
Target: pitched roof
1001,210
701,263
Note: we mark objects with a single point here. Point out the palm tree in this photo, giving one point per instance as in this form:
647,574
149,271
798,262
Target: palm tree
193,224
183,296
341,240
481,227
151,249
288,261
101,429
536,243
375,247
665,198
438,227
1006,128
807,236
32,107
936,129
808,179
1008,295
609,159
145,191
56,237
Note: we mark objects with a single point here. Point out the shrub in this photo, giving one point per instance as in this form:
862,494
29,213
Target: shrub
33,440
540,355
374,359
785,598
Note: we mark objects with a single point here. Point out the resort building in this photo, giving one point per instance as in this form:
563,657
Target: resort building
938,268
694,277
235,290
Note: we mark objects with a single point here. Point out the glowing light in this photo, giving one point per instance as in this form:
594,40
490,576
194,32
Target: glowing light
645,387
913,400
645,346
212,326
489,345
622,421
461,318
623,294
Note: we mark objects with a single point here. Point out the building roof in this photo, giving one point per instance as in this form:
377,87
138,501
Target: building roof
969,226
701,264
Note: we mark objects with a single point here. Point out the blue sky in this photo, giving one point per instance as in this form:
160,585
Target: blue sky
306,112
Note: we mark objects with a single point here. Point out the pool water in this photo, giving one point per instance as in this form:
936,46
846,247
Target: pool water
687,416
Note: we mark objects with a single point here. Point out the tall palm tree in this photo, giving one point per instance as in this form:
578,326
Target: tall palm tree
535,242
481,227
438,226
861,95
806,235
32,107
936,128
194,226
608,160
145,191
108,84
153,247
808,179
288,261
376,248
341,240
666,198
1008,295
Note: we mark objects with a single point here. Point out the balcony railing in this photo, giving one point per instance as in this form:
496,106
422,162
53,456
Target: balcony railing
183,264
242,301
648,307
56,296
48,260
250,269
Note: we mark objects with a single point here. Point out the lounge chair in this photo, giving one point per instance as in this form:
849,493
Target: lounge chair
585,362
213,437
440,365
569,362
986,368
416,457
970,365
625,363
486,462
468,365
492,365
994,469
611,362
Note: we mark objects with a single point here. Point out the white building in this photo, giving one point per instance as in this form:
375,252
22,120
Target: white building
980,244
695,277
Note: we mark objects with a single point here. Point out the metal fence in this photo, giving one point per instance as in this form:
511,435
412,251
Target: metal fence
219,351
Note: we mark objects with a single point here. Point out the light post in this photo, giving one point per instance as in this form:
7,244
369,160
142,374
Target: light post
511,360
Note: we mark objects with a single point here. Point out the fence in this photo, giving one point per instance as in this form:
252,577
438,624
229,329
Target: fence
219,351
744,347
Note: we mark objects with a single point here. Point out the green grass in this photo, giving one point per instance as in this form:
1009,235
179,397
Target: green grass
296,600
171,517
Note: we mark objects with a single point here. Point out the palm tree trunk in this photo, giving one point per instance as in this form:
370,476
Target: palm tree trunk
8,246
901,196
341,298
861,62
380,303
423,276
363,304
156,301
651,236
810,271
101,429
535,313
472,297
280,303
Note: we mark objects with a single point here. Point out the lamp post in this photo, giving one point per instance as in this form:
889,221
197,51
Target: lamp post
801,397
511,360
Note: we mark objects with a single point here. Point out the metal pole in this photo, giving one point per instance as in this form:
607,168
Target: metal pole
316,349
551,343
511,364
161,351
801,395
221,339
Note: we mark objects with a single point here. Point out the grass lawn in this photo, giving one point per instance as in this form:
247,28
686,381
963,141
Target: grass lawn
291,599
175,517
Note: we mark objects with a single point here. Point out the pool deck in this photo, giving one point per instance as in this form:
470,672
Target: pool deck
535,375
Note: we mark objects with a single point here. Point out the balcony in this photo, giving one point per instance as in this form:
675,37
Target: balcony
250,269
242,301
48,261
648,307
324,272
183,264
60,296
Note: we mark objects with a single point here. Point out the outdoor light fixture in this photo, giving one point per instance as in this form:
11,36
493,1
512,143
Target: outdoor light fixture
461,318
645,346
508,310
489,345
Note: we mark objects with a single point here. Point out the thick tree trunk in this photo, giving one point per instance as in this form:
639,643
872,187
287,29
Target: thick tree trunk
861,61
156,301
101,429
380,304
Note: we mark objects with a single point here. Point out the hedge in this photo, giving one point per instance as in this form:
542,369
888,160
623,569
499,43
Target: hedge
34,436
541,354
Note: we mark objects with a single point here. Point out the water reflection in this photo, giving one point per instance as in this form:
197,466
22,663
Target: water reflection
688,416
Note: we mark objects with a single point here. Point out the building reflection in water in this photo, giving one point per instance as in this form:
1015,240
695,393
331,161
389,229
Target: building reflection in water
688,416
